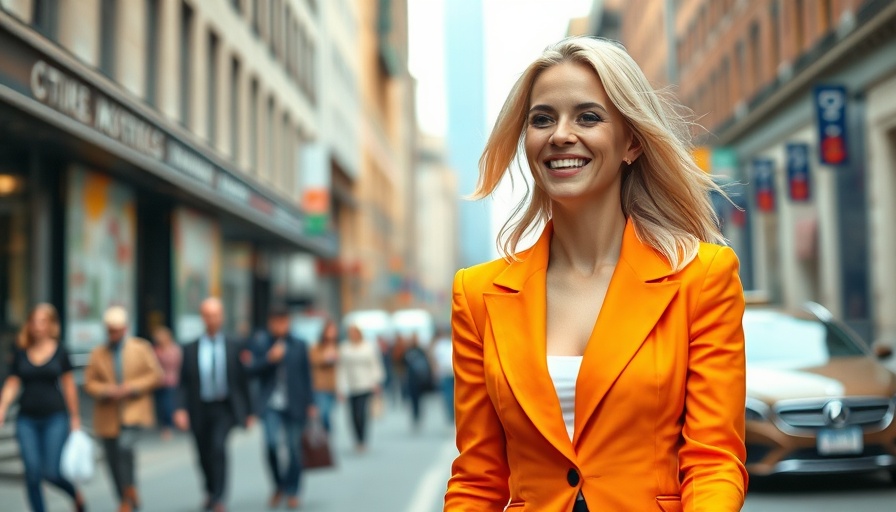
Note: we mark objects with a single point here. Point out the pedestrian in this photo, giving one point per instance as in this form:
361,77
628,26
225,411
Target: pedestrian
279,363
418,372
359,376
48,404
324,358
121,376
170,357
444,371
604,366
213,398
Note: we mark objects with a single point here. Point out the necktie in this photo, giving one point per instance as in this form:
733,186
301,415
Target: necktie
215,378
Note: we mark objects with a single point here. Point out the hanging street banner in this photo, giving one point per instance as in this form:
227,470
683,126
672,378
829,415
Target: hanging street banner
798,171
764,180
830,106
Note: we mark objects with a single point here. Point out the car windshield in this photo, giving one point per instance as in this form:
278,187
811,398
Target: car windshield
787,342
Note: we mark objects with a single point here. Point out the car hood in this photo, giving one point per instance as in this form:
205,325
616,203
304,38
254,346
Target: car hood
844,376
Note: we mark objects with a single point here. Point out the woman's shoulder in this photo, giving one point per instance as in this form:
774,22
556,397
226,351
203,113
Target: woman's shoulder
483,274
710,256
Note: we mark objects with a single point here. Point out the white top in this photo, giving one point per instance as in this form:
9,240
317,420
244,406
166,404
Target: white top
360,367
564,371
441,354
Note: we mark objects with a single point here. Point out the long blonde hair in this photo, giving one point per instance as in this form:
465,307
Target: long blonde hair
25,339
664,192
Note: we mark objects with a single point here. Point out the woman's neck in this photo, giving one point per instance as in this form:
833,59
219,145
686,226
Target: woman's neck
587,239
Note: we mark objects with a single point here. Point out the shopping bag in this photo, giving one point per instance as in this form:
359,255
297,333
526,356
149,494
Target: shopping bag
316,453
77,462
377,406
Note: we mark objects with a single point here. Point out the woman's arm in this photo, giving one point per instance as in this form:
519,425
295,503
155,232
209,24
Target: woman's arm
70,394
10,391
712,458
479,474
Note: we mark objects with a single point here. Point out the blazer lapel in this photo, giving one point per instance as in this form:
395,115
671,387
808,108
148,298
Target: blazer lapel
634,303
517,315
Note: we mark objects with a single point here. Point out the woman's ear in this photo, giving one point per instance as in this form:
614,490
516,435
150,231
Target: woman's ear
634,149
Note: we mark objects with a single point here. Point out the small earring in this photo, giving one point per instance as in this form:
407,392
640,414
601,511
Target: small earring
627,161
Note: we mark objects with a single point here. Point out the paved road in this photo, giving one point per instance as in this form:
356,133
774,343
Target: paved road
402,471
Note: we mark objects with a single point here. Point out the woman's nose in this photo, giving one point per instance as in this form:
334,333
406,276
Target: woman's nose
563,135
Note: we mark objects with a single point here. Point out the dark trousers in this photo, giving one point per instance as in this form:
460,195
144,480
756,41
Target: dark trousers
120,458
40,446
580,506
360,412
210,430
286,480
415,395
165,406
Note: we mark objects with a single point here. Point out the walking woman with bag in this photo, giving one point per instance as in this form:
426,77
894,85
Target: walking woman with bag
48,405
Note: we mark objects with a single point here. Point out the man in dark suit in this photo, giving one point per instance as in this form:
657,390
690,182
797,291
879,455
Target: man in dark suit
279,362
213,398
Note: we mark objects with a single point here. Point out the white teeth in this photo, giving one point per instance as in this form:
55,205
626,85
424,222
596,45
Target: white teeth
566,163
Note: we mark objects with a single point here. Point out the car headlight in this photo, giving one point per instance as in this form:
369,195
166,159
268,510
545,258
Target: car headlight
757,410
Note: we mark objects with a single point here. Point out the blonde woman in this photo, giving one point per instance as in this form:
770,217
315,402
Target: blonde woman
48,405
602,368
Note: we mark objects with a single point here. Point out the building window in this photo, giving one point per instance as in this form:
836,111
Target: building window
109,36
827,16
742,78
212,95
271,136
186,64
235,4
756,54
798,33
256,16
774,30
253,126
45,17
235,108
271,32
287,152
152,51
312,75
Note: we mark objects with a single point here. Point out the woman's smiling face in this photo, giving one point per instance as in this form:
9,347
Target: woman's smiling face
576,139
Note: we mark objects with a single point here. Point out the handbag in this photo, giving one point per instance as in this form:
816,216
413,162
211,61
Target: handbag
77,462
316,453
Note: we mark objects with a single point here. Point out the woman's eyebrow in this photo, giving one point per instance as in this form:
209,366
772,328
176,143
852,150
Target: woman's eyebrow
581,106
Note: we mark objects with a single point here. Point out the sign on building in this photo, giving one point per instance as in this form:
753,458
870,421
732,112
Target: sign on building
798,171
764,181
830,106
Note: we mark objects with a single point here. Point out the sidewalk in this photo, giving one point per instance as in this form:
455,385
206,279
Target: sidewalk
403,471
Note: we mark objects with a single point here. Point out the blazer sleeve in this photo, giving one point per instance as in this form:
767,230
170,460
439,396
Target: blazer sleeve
479,475
712,457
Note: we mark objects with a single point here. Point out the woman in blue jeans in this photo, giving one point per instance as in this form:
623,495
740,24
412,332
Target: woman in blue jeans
48,406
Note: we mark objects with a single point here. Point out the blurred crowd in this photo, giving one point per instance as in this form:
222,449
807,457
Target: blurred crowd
208,387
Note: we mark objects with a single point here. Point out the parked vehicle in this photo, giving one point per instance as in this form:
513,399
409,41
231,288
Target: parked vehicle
818,400
375,324
415,321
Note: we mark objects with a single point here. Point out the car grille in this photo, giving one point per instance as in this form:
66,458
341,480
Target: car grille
864,412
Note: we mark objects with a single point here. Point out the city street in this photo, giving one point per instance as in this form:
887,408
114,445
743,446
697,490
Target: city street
401,472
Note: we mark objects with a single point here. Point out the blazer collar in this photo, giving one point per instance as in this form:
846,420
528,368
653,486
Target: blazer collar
645,261
518,320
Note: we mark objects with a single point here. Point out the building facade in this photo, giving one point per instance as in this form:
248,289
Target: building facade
797,101
437,228
380,257
153,153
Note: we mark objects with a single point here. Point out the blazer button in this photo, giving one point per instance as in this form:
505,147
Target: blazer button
573,478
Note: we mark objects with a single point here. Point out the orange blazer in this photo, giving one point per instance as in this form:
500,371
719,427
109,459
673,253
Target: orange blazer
659,407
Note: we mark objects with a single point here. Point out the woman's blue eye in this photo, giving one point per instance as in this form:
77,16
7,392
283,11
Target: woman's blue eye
540,120
590,118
